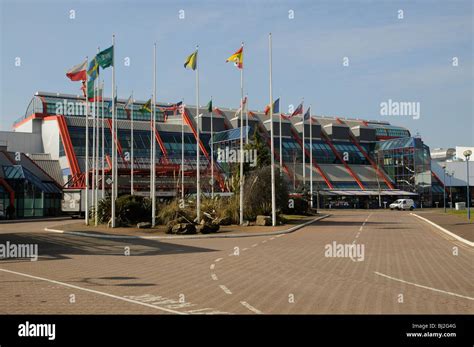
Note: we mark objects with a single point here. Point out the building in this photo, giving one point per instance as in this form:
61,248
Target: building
356,162
450,172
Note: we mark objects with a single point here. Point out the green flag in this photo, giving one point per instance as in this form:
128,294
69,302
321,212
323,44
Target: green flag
106,57
209,106
146,107
90,90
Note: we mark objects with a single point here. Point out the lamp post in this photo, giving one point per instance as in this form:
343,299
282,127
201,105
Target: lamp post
451,174
467,154
444,186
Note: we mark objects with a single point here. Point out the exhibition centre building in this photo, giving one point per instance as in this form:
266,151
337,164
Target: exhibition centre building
357,163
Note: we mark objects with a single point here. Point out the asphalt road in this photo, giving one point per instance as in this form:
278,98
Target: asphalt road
404,265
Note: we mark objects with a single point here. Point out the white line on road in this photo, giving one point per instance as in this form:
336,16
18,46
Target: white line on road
255,245
214,277
250,307
469,243
245,249
272,238
225,289
264,241
218,260
424,287
212,266
93,291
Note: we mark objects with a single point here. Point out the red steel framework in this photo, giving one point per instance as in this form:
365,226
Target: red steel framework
364,153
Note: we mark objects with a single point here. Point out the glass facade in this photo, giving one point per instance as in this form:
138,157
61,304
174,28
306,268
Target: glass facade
408,163
33,197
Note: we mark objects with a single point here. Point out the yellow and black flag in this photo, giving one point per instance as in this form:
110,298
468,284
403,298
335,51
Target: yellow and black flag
191,61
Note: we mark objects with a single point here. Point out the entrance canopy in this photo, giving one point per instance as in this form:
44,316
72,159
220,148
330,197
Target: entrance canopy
388,192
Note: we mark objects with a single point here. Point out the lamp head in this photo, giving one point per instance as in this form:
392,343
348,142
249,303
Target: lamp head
467,153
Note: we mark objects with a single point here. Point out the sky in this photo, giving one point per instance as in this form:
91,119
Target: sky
403,60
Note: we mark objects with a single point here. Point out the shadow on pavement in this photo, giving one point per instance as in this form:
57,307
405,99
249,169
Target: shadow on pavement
53,247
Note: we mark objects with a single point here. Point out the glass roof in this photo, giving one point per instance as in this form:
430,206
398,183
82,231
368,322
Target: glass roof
404,142
229,135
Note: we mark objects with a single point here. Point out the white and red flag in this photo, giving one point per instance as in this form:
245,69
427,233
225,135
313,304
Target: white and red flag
78,72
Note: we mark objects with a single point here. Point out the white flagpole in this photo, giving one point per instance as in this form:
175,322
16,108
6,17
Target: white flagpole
311,155
246,118
87,151
198,154
103,142
271,133
151,149
93,143
182,152
212,152
304,144
281,146
97,134
242,142
96,152
153,199
132,145
114,145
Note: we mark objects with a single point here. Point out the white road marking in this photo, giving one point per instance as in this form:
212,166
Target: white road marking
244,249
250,307
459,238
424,287
93,291
264,241
255,245
214,277
272,238
212,266
225,289
217,260
280,235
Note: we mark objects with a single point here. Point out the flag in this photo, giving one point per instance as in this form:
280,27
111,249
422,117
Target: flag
128,103
299,110
146,106
244,101
237,58
93,70
276,107
78,72
191,61
307,114
252,114
105,58
209,106
90,90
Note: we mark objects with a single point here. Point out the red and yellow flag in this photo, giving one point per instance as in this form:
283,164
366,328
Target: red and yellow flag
237,58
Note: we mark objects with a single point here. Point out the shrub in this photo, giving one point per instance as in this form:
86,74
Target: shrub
258,193
130,209
170,210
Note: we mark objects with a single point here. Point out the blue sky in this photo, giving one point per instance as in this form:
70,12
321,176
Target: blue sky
402,60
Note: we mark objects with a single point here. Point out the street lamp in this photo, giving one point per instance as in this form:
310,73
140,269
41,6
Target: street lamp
451,174
444,186
467,154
